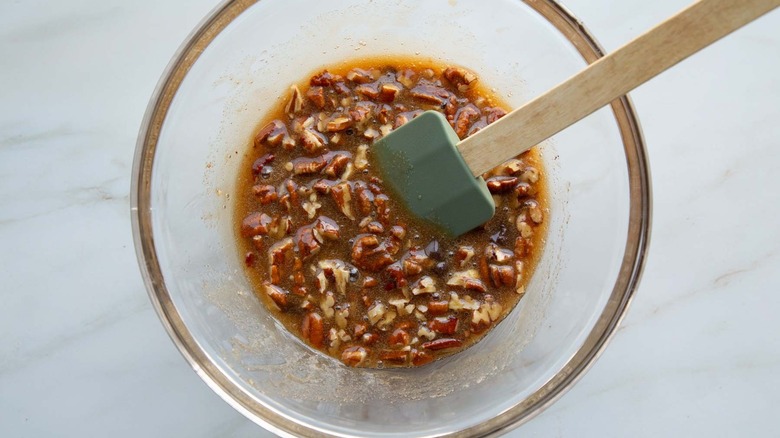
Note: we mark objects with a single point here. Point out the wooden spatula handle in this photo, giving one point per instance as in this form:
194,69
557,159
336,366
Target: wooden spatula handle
609,78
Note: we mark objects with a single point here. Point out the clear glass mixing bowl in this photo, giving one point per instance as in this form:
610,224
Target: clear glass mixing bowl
233,68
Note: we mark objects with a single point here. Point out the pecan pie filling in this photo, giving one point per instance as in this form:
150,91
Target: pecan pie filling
337,259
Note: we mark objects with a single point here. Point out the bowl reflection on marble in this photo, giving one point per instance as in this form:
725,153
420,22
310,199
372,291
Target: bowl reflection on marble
221,82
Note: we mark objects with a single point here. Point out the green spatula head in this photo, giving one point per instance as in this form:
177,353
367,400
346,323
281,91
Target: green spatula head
420,163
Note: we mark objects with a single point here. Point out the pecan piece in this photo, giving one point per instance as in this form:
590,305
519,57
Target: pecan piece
523,189
495,253
277,294
359,76
387,92
431,93
463,118
407,77
438,307
444,325
317,96
441,344
322,186
307,242
370,91
266,193
382,208
460,78
324,79
260,163
312,329
396,357
308,166
360,113
327,228
313,141
502,275
339,124
255,224
295,104
342,195
365,198
354,356
399,338
272,133
336,165
369,254
493,114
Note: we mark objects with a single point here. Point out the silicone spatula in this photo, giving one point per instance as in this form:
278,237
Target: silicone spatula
437,175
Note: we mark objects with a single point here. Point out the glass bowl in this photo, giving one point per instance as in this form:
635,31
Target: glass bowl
232,69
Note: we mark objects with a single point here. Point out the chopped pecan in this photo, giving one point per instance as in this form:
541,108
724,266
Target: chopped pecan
494,253
359,76
370,254
307,242
313,329
272,134
396,357
502,275
501,184
317,96
385,114
370,91
468,280
342,195
493,114
255,224
523,189
308,166
460,78
438,307
399,338
424,285
341,88
534,210
260,163
381,203
404,117
266,193
444,325
530,174
295,104
361,112
313,141
523,246
441,344
322,186
361,159
463,118
388,92
430,93
324,79
277,294
338,124
327,228
277,253
463,255
336,165
365,200
354,356
407,77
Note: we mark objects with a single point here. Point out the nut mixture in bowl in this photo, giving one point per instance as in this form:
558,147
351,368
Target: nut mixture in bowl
337,258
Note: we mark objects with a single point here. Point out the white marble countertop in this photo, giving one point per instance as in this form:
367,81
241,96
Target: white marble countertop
83,354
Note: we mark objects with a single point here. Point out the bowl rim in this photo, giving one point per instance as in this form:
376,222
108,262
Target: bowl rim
632,265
